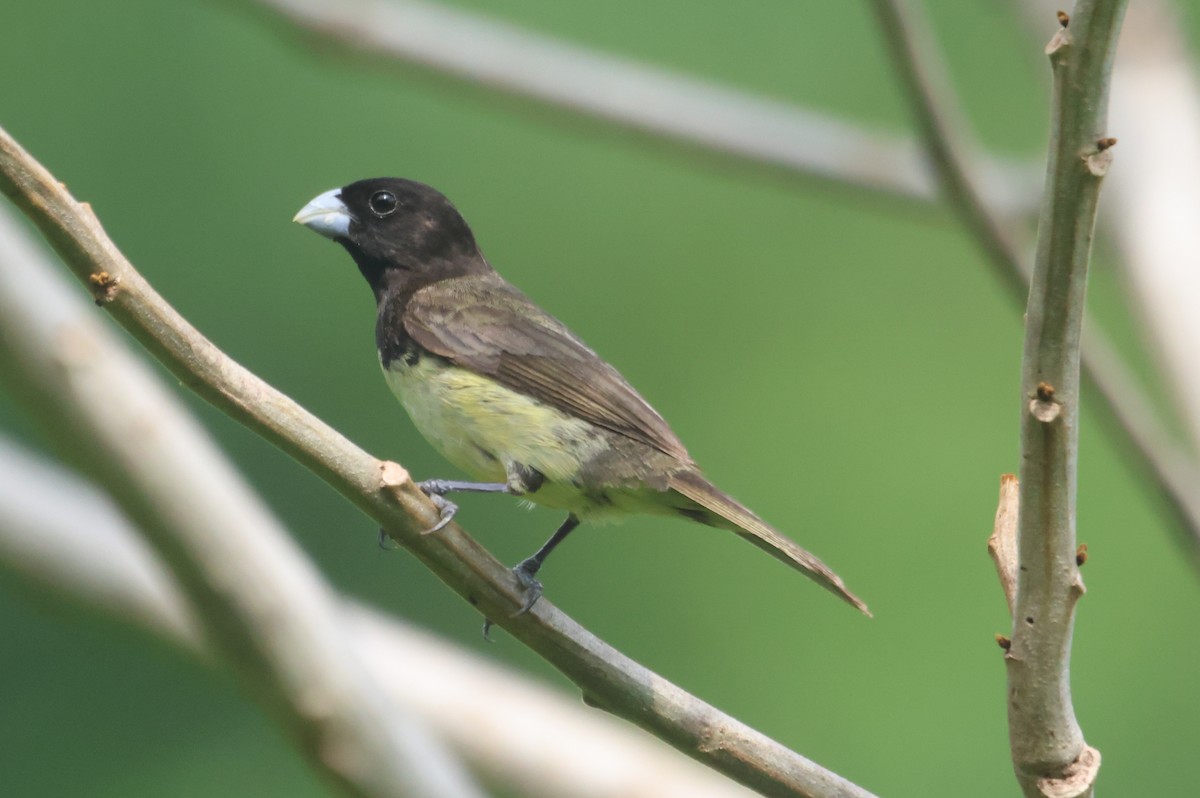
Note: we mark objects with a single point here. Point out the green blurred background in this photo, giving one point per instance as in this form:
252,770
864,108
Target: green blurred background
847,366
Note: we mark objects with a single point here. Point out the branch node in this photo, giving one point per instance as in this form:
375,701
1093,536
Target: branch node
104,287
1044,407
1077,778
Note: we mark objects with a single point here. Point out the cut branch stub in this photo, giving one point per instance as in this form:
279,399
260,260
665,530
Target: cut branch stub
1002,545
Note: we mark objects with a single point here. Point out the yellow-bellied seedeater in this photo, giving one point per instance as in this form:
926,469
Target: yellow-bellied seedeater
506,392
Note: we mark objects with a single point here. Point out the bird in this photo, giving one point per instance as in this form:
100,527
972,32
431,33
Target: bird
505,392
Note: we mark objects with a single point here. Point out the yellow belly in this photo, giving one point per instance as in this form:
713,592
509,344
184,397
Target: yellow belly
480,426
483,428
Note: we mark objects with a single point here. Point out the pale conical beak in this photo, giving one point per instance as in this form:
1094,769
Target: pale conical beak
327,215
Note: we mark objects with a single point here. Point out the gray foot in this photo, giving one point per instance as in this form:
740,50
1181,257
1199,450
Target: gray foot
526,572
446,511
434,489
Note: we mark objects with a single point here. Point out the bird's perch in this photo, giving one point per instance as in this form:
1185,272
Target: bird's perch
1049,754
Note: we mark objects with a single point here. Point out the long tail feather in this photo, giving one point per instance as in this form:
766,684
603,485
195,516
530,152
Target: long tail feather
729,514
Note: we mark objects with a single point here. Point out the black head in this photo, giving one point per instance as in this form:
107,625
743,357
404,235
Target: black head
398,231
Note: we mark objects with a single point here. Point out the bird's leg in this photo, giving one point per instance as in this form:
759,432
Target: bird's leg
436,490
521,480
440,487
526,570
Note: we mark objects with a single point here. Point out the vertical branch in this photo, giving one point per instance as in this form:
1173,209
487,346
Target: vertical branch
1049,753
953,153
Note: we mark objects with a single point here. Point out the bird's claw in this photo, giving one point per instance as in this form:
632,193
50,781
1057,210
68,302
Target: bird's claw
385,541
446,508
525,572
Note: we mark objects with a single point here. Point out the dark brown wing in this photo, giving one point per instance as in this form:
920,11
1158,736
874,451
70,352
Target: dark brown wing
484,324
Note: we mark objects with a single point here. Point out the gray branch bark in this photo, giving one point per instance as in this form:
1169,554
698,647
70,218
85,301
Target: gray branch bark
1050,756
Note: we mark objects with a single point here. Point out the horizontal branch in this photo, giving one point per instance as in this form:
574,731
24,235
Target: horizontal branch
384,491
539,743
777,136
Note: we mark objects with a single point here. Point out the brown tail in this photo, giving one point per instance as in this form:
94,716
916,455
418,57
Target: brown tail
733,516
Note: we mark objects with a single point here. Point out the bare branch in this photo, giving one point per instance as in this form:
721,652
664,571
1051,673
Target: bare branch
953,153
538,743
258,600
780,137
384,491
1048,749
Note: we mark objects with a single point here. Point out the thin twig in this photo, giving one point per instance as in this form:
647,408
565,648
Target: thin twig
1049,753
260,603
777,136
516,733
385,492
953,153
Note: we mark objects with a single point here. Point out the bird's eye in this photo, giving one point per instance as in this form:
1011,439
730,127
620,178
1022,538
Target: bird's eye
383,203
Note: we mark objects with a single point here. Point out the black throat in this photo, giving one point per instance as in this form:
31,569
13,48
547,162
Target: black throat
393,286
